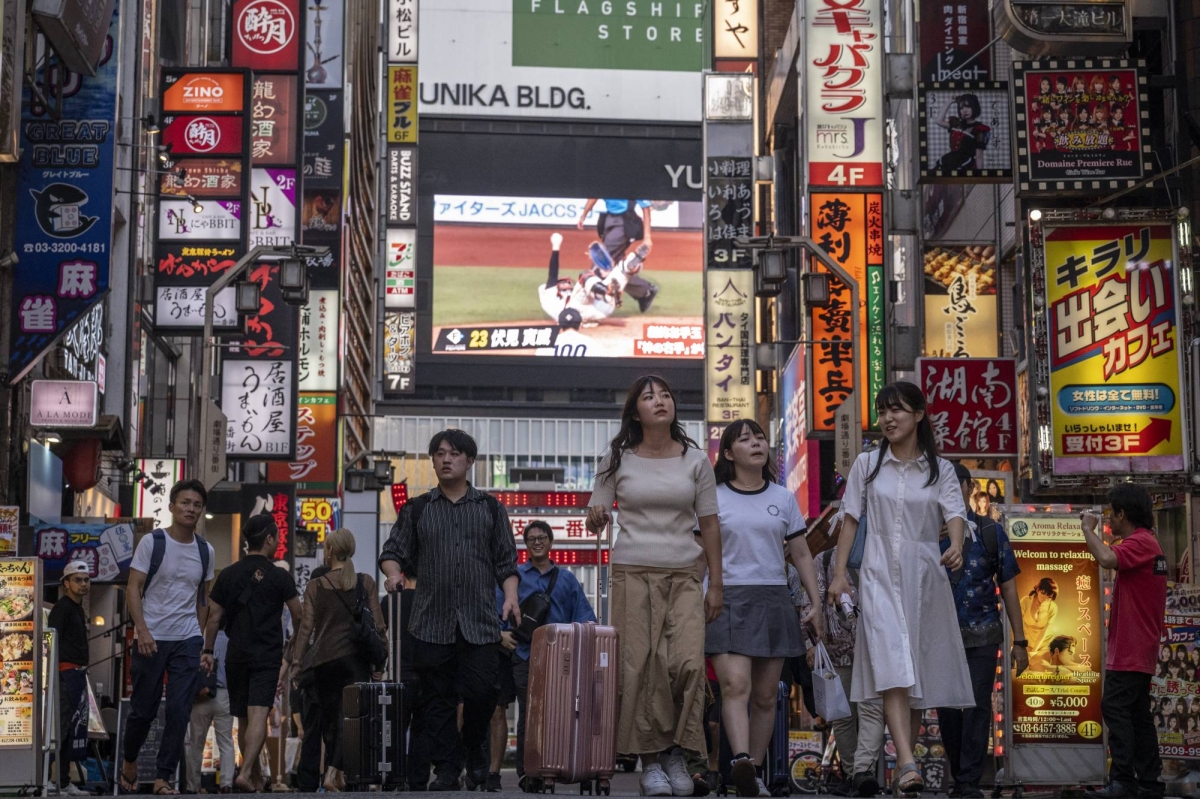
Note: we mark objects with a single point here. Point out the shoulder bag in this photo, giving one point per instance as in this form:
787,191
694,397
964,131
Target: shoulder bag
860,535
535,610
365,634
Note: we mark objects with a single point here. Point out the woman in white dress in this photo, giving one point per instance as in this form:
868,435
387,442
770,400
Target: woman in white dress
909,651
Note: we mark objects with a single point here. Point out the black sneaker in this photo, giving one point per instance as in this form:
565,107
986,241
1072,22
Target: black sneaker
744,777
967,791
644,303
444,784
865,784
530,784
1114,790
843,788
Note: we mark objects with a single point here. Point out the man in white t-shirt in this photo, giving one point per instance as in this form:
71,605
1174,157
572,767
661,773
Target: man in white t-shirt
169,580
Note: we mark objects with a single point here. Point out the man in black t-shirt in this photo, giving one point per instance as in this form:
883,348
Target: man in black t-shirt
70,625
251,595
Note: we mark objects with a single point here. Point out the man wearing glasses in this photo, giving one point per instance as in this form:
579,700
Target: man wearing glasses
568,604
70,624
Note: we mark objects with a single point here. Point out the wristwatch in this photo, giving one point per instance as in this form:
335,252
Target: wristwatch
1024,644
207,652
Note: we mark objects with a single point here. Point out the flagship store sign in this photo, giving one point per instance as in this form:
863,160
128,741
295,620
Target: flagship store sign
63,403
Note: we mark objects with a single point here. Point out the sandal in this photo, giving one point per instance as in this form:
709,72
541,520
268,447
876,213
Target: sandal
125,785
165,790
912,786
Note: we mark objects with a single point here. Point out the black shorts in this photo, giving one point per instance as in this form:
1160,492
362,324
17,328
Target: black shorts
250,686
504,679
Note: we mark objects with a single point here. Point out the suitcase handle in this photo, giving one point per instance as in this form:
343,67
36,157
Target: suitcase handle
597,695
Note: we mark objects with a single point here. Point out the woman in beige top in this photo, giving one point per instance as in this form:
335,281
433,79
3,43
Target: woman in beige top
662,483
333,656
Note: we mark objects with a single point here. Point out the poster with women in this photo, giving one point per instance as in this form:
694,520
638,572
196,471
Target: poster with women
1080,128
965,132
1175,689
1057,700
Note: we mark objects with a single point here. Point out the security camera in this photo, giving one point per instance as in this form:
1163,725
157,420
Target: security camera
10,260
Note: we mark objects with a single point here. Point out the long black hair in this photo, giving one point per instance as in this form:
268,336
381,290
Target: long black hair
897,396
724,470
630,434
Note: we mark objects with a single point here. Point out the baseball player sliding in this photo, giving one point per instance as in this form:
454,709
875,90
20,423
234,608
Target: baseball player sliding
597,293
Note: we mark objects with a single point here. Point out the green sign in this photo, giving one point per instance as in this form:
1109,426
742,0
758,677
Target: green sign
661,35
876,362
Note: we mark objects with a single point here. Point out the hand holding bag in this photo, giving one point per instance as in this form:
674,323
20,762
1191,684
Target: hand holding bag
828,694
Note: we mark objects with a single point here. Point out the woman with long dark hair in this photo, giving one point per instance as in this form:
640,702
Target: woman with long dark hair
757,627
909,650
663,483
1038,611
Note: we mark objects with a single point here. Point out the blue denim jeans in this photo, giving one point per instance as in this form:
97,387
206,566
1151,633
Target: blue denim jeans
179,662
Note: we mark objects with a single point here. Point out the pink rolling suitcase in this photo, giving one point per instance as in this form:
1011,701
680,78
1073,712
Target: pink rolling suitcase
571,733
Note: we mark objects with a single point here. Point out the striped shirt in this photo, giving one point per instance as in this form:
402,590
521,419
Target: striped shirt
460,553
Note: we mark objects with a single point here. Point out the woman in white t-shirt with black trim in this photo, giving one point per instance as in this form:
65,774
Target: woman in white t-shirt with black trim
757,627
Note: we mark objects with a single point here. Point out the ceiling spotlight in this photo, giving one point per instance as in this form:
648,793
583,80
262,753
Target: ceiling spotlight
51,437
164,153
1035,215
149,125
196,205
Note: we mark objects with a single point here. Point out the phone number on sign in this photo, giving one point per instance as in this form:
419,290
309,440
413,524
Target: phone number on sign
66,247
1044,728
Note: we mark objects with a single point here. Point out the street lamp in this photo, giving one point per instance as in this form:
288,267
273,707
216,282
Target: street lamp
356,480
247,297
816,288
383,470
293,281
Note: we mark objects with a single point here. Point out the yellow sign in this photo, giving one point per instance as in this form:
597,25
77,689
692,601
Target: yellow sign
1114,348
318,515
735,29
729,342
402,105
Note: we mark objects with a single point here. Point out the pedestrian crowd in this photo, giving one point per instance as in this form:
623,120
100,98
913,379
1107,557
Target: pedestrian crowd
714,593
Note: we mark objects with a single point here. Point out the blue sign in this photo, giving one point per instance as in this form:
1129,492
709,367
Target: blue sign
64,207
107,549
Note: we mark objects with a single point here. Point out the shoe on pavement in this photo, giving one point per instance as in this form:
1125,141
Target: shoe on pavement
677,774
968,791
441,784
842,789
762,788
865,784
50,790
744,777
654,781
74,790
492,784
1114,790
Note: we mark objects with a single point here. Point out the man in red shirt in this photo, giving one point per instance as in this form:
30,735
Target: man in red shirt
1135,627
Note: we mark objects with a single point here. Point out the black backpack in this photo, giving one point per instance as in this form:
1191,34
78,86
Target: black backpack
159,551
535,609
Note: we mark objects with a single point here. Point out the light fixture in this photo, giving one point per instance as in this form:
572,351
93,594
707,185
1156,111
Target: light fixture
149,125
772,265
51,437
1035,215
98,621
816,289
164,153
247,297
208,516
383,470
291,275
196,204
1109,213
356,480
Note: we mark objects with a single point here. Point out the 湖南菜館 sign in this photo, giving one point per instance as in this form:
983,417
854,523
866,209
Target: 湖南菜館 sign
1114,352
972,405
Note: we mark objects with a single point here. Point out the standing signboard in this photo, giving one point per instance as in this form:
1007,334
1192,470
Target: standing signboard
21,714
1053,722
972,405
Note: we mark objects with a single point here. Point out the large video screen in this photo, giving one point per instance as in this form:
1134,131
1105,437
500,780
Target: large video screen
567,277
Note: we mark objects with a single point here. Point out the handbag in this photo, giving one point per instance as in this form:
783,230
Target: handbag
828,694
535,610
860,537
365,634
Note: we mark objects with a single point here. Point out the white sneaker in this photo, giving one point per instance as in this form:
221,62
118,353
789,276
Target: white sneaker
74,790
762,788
50,790
677,774
654,781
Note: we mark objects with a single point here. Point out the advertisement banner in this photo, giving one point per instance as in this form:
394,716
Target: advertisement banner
63,403
257,398
401,203
1115,357
964,132
399,356
619,288
19,601
972,405
400,269
1057,700
272,207
568,529
735,30
729,333
10,522
1176,684
203,92
278,500
323,139
497,58
315,468
1080,129
843,40
950,35
64,199
181,279
273,120
203,135
961,302
107,549
219,220
266,34
401,105
318,357
274,332
797,450
729,210
402,31
165,472
323,59
849,228
203,178
317,515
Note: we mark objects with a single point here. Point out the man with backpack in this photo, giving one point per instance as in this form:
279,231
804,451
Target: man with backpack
250,595
459,540
167,595
988,562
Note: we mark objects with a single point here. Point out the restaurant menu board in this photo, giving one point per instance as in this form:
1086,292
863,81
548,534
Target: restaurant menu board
18,601
1175,689
1057,700
929,752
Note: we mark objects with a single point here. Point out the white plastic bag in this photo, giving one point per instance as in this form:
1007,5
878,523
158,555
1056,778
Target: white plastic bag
828,692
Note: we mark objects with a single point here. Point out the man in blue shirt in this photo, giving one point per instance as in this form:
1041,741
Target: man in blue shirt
568,604
988,562
621,223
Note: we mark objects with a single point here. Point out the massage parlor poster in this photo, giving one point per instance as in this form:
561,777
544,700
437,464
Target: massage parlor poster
1175,689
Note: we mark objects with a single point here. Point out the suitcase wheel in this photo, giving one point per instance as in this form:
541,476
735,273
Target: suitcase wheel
585,788
603,787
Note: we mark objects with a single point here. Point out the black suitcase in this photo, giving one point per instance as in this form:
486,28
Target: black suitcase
373,741
775,769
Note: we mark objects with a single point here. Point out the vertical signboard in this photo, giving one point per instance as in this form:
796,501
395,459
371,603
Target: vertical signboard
323,58
401,105
796,446
849,228
961,302
402,31
1115,356
315,467
258,399
318,361
843,42
972,405
277,500
400,268
735,29
1176,684
64,202
728,210
401,204
954,37
399,356
20,631
729,342
266,34
164,472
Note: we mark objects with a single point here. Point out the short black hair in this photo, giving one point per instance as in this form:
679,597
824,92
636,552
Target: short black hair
257,528
539,525
961,472
458,439
189,485
1134,501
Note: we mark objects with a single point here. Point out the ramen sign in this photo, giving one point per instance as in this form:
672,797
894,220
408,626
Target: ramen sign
265,34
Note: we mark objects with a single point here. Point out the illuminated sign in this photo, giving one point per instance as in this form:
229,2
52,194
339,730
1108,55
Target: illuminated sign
972,405
729,333
203,92
961,302
401,105
63,403
735,29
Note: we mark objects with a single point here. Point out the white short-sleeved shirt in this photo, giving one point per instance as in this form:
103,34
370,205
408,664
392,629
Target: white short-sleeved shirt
754,527
169,606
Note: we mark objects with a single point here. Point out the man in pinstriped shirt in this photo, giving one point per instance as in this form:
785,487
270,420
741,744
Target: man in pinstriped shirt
462,546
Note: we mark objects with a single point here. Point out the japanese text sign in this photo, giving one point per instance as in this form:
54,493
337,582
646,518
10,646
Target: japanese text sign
320,515
318,357
266,34
568,529
20,591
400,272
257,398
401,105
729,334
735,29
728,210
401,25
849,228
219,220
106,549
323,145
399,355
1114,352
843,40
203,178
972,405
315,466
951,32
203,135
10,522
797,450
166,472
273,121
277,500
961,308
272,210
182,276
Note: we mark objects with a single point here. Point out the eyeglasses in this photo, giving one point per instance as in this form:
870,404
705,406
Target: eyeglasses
537,539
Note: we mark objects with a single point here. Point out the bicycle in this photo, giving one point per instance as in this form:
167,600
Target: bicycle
812,775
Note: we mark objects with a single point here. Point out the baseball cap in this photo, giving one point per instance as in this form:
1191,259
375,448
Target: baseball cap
75,567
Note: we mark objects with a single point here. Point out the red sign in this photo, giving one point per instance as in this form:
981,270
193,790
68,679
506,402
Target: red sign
272,121
266,34
972,405
203,135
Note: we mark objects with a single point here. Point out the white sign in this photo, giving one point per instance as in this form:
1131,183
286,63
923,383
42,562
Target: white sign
400,269
166,472
214,431
402,31
272,207
258,399
63,403
480,69
569,529
217,220
735,29
843,42
402,186
318,356
183,306
549,211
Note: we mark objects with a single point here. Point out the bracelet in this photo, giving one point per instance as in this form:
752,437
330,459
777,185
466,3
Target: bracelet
1024,644
206,652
